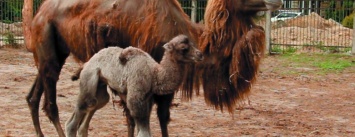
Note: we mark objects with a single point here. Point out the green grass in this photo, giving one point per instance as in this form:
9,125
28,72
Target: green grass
283,49
276,49
316,63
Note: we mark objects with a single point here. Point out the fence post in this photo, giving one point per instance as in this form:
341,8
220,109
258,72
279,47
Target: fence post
27,15
353,49
268,32
193,10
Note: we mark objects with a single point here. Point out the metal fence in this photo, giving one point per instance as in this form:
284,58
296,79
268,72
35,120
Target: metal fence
11,21
302,25
194,8
10,18
309,25
313,25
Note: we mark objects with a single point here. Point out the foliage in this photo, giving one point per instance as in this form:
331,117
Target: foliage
36,5
339,13
349,21
283,49
11,10
290,49
10,40
276,49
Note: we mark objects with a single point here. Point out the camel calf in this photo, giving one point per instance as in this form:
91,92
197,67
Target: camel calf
133,75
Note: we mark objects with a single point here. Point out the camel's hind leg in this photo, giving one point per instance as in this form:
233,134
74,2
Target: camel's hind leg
72,124
93,96
103,98
51,57
86,104
33,99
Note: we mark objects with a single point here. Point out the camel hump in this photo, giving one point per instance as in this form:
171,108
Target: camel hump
129,53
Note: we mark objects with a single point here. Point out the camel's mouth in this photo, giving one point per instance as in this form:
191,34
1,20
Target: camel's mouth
273,4
197,59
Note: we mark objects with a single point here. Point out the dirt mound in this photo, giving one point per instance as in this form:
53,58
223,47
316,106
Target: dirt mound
14,28
311,30
312,20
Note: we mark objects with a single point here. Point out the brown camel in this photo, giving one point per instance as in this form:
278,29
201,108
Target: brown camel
230,41
135,76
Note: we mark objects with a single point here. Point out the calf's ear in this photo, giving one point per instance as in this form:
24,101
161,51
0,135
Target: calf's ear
168,46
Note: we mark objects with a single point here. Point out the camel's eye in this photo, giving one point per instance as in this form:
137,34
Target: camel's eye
185,41
185,50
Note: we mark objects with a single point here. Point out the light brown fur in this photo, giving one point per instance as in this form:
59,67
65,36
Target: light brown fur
135,80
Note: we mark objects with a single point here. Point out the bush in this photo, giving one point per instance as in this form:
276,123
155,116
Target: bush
276,49
11,10
349,21
10,40
339,13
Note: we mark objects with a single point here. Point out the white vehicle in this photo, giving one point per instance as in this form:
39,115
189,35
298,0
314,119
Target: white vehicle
286,15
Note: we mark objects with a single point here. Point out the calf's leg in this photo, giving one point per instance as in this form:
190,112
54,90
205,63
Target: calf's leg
163,111
102,98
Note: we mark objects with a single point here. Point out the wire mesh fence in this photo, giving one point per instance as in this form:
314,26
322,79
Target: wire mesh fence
194,8
10,22
309,25
313,25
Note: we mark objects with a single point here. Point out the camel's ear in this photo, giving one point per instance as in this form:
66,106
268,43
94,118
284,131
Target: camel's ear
168,46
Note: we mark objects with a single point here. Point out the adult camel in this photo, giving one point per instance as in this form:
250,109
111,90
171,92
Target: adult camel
230,41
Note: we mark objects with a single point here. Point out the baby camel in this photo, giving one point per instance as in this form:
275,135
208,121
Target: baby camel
133,75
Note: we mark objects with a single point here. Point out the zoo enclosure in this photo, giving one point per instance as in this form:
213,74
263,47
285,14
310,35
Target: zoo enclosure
11,21
325,25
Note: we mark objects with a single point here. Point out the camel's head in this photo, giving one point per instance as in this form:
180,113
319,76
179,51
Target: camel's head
182,49
258,5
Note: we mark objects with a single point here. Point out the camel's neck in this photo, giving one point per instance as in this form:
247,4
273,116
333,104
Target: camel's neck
169,75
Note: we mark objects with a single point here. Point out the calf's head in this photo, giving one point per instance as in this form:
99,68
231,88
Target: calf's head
183,50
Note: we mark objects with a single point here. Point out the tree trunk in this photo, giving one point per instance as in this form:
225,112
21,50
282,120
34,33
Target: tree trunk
27,14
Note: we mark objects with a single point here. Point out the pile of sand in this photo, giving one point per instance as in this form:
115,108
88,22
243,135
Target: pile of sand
14,28
311,30
312,20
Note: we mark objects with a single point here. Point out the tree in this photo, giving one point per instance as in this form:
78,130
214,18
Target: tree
27,14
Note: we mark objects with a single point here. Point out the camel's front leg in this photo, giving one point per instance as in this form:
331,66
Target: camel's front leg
140,106
163,111
129,119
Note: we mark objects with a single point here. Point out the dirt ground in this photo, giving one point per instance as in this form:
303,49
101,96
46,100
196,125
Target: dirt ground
302,105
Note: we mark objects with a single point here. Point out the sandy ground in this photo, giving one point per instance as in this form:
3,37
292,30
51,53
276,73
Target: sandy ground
303,105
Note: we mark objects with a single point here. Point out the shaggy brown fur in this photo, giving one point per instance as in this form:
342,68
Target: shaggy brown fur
83,27
235,54
135,80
